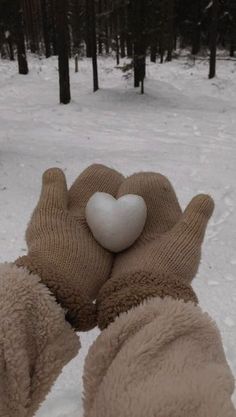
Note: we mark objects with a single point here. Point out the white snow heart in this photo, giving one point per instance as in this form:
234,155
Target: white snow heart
116,224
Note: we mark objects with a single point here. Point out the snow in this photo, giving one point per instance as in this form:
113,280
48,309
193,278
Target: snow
184,127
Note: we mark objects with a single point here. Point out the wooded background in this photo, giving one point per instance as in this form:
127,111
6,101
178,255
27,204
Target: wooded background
126,28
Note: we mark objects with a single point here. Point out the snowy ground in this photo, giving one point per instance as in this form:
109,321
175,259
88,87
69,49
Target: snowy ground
184,127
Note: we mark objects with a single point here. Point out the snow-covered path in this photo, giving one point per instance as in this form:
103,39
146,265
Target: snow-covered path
184,127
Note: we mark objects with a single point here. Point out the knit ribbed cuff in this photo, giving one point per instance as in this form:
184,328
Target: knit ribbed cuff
120,294
80,311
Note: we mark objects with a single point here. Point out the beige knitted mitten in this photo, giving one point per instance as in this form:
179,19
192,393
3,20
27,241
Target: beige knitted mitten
62,250
165,258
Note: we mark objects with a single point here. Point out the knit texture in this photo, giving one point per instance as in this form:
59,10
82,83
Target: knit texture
62,250
120,294
166,257
35,342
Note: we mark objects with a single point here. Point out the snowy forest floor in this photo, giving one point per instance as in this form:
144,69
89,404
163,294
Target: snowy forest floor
184,127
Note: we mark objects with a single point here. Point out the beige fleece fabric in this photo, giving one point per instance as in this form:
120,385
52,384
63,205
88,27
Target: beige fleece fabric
35,342
163,358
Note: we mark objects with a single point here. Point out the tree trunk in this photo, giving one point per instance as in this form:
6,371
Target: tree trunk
2,48
94,44
122,45
88,30
63,50
117,41
117,50
76,25
139,63
45,29
232,42
107,39
10,46
76,63
30,18
107,27
35,23
175,41
130,48
129,31
142,86
170,28
196,41
162,46
136,66
20,41
139,35
153,51
213,38
161,49
53,27
196,37
99,27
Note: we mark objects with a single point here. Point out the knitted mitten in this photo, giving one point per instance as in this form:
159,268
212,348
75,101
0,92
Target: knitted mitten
165,258
62,250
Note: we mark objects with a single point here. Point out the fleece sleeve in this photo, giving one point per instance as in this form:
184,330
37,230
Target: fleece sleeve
163,358
35,342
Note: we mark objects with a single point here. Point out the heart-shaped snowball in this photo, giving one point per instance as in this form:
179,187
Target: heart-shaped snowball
116,224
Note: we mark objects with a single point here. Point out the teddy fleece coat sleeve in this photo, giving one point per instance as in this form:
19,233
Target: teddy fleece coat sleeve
35,342
163,358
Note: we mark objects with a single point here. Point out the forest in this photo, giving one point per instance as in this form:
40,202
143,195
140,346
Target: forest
135,29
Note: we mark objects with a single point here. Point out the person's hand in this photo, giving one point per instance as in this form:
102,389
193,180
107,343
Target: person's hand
61,248
165,258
